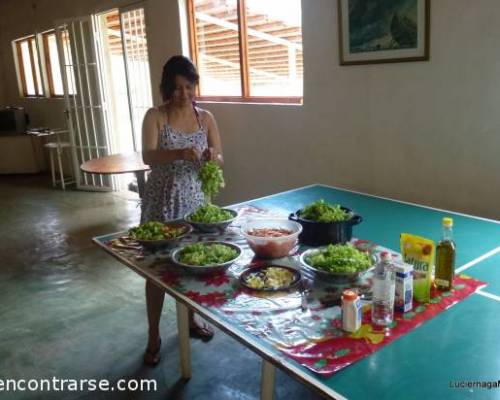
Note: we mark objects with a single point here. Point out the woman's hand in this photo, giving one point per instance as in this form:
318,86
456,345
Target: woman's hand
210,154
190,154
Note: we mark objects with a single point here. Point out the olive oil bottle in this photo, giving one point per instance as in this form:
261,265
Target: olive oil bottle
445,257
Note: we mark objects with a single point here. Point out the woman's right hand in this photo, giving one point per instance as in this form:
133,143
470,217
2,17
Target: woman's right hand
190,154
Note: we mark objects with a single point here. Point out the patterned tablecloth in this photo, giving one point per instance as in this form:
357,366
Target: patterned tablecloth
310,335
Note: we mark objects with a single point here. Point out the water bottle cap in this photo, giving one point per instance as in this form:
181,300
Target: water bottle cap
385,256
349,295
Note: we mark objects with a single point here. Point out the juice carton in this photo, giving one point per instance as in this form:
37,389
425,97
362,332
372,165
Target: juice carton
403,300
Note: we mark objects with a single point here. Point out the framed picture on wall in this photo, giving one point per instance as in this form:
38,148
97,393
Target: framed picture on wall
383,31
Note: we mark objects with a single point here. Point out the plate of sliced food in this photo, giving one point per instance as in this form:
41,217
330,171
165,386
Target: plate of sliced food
270,278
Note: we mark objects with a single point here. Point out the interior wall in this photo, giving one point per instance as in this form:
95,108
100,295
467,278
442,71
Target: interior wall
2,62
425,132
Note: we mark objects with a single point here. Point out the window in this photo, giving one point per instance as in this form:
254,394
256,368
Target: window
248,50
29,67
52,64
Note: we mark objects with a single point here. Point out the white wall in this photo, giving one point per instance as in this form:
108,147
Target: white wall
2,76
426,132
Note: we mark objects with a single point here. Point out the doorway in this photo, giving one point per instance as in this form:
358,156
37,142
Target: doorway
126,78
107,87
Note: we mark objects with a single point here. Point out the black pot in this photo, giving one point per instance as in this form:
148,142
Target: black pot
323,233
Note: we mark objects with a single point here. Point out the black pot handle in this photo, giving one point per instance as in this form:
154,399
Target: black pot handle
356,219
293,217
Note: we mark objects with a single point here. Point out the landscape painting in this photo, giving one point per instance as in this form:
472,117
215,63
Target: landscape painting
376,31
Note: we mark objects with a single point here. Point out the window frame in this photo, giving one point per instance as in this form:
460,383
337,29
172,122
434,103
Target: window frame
48,64
244,62
22,73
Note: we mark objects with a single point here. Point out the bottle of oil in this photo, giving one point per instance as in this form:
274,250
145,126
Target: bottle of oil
445,257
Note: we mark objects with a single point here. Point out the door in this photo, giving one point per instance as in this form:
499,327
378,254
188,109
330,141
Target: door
86,108
135,54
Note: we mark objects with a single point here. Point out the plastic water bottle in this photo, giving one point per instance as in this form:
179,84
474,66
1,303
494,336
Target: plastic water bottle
384,281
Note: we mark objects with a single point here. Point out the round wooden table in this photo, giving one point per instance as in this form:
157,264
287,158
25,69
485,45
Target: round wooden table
119,164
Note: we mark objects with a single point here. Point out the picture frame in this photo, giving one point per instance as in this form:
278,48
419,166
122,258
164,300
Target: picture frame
382,31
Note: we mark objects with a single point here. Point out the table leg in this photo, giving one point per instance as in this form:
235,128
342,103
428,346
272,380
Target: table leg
184,345
267,381
141,181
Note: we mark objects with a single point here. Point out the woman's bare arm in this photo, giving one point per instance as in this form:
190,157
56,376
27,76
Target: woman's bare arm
213,136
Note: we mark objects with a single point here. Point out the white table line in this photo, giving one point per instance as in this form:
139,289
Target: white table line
489,295
478,260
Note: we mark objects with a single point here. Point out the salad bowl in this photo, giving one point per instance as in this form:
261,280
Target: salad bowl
198,253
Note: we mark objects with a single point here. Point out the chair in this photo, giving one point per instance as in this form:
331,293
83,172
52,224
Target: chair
58,147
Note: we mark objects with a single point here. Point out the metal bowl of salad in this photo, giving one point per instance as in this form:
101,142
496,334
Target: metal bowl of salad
204,257
154,235
210,218
337,262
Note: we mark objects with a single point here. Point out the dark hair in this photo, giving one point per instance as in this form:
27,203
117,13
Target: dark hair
177,65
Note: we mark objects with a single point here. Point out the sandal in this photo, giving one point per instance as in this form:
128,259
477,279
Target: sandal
152,358
202,332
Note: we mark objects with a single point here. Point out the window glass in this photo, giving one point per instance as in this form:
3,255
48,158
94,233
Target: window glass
29,67
255,53
218,52
274,47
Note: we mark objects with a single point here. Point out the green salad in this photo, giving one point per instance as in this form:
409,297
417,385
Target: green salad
210,213
203,254
154,230
320,211
212,179
340,258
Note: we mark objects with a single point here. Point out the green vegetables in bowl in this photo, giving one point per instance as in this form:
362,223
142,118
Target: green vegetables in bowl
320,211
154,230
339,259
201,254
209,214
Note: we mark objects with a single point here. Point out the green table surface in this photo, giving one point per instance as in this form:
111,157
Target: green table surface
461,344
488,271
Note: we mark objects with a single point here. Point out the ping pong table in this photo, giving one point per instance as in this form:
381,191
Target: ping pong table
454,355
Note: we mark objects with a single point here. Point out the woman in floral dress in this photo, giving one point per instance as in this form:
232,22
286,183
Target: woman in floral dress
177,137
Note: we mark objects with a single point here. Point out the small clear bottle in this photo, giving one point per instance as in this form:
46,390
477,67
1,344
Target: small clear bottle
384,283
445,257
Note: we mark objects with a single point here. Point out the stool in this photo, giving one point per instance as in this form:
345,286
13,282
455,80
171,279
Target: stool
58,147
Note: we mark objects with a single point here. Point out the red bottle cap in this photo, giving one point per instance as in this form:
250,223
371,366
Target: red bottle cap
349,295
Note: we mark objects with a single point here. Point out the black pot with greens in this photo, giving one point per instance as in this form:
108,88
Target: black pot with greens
325,223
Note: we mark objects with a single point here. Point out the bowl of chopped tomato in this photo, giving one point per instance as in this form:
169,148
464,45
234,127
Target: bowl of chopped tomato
271,238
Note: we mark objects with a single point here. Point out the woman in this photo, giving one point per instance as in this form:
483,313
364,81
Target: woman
176,138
